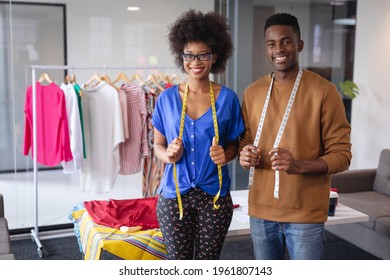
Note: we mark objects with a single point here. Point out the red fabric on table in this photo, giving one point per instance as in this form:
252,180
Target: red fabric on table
124,212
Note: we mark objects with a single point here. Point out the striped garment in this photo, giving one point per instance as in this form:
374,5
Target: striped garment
135,147
139,245
153,168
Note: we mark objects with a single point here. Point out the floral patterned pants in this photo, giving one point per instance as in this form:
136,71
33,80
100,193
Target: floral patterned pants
201,232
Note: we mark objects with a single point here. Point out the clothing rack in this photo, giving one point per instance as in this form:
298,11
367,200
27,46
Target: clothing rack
34,68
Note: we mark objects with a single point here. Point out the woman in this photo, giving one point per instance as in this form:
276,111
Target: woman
196,130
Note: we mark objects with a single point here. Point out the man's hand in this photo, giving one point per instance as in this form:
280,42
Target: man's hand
283,160
249,156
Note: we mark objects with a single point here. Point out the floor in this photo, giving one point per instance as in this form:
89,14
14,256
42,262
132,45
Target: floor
57,194
239,249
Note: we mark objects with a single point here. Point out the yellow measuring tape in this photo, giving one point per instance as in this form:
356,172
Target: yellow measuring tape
183,112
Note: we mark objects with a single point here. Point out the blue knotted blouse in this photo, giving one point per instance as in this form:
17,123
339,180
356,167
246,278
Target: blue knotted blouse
195,168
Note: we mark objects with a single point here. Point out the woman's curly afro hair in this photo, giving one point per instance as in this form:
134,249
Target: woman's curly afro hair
209,28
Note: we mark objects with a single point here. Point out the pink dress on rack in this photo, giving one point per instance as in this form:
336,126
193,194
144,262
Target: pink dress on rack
53,142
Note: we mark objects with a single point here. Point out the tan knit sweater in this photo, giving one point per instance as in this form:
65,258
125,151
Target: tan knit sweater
317,127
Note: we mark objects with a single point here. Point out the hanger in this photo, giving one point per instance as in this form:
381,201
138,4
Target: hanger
152,79
136,77
107,79
121,77
45,77
162,77
94,78
74,82
174,78
67,79
73,79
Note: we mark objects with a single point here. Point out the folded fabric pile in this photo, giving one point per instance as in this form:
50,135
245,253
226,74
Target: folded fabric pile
126,228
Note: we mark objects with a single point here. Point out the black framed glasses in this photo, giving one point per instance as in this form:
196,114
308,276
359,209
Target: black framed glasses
201,56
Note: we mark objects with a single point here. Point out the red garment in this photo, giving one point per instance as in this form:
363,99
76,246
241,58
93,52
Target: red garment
168,85
127,212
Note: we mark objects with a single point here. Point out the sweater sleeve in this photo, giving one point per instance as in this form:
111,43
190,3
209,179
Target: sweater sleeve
246,137
335,132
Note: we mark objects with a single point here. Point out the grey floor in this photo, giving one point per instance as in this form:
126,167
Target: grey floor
235,249
58,193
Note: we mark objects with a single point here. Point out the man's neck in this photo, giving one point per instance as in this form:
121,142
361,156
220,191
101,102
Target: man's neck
286,76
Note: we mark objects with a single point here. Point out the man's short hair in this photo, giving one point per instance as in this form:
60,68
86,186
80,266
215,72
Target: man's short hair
283,19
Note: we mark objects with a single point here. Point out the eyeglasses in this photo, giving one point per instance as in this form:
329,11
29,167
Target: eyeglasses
201,56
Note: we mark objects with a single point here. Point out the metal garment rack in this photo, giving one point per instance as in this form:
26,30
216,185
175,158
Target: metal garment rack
34,68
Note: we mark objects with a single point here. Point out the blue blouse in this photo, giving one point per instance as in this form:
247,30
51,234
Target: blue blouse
195,168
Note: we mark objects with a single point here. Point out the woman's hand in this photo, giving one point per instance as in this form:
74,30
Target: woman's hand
217,153
175,150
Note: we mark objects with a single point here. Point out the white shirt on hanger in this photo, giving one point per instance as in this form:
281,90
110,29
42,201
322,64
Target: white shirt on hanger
103,131
75,133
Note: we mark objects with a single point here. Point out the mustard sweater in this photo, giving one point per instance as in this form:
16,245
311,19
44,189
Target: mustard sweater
317,127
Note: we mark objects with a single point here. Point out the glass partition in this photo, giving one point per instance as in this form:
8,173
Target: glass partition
328,51
102,37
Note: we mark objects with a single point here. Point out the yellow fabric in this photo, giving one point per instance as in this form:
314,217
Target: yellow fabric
139,245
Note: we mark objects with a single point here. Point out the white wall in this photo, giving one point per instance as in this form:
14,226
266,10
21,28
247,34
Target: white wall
371,109
102,32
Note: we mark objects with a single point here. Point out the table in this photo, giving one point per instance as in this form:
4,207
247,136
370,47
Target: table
240,222
149,244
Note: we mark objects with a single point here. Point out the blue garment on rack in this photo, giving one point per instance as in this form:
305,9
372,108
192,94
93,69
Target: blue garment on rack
76,223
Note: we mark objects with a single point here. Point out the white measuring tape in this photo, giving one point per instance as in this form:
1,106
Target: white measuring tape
281,128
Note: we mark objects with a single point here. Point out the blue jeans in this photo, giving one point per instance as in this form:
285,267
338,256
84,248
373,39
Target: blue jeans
302,241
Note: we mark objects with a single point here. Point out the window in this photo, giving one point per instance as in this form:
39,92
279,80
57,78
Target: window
35,36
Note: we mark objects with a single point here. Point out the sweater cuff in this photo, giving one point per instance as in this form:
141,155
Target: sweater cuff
336,163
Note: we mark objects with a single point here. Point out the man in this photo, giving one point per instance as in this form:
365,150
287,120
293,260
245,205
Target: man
296,136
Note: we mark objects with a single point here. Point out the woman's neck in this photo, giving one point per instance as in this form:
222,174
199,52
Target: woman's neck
199,87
